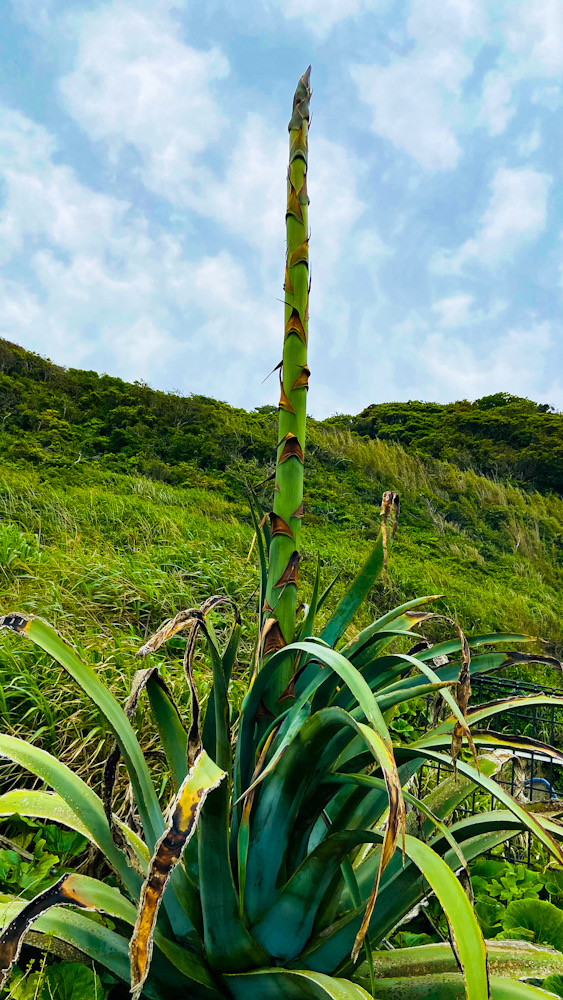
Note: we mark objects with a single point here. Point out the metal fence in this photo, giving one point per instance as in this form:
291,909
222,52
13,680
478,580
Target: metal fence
528,776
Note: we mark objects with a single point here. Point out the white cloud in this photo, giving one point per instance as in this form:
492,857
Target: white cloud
136,82
517,361
454,310
408,107
534,32
416,99
530,143
320,16
95,289
496,107
248,198
515,215
458,20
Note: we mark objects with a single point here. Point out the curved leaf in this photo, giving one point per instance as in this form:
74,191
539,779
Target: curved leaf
170,727
357,592
49,805
507,741
457,908
110,949
512,959
48,639
528,819
485,711
82,801
363,639
203,777
282,984
451,987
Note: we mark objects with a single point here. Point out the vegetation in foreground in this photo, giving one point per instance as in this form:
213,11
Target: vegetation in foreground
274,867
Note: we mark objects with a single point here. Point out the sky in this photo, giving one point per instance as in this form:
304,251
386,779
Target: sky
143,150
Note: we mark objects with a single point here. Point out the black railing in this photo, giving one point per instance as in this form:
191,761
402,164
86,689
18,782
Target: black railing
529,776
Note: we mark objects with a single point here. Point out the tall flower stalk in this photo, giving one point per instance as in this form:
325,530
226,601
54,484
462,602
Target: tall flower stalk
285,518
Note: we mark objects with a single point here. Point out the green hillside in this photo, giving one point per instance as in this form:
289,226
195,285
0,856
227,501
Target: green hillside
502,436
121,505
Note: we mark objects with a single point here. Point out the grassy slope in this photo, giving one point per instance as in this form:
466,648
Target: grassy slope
108,554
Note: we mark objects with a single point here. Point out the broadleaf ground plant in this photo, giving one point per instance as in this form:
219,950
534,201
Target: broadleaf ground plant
294,845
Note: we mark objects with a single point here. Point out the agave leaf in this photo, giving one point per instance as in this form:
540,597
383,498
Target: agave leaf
287,925
281,794
243,836
285,928
356,594
228,657
363,639
464,926
246,743
432,676
491,739
48,639
450,646
49,805
171,729
353,680
483,663
280,739
451,987
228,944
369,781
327,591
529,820
465,930
308,624
283,984
108,948
384,637
485,711
79,797
72,890
510,959
388,701
219,706
203,778
498,819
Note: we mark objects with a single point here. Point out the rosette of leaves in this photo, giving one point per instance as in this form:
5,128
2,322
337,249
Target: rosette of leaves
286,855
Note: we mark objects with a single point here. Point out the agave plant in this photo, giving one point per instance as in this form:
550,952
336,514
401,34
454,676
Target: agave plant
287,856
